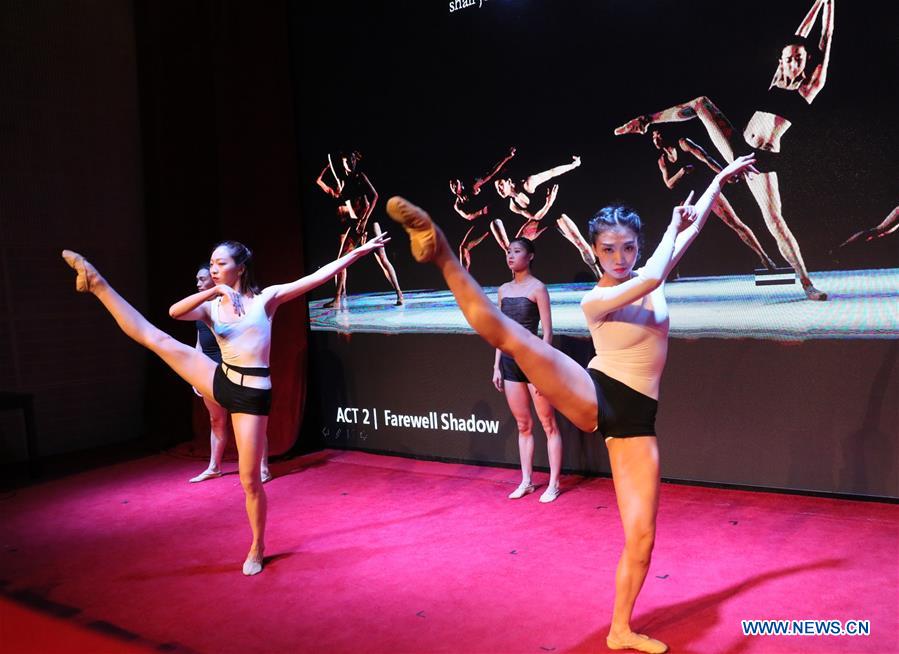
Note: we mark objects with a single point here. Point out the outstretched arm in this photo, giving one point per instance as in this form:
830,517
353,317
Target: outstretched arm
540,213
323,185
371,199
457,205
687,145
819,76
476,187
285,292
805,27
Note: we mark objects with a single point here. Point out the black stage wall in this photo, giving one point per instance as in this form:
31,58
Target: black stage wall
812,416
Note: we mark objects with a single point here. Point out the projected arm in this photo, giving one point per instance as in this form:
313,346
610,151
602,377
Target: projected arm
819,76
323,185
476,187
457,205
371,198
282,293
538,215
672,180
687,145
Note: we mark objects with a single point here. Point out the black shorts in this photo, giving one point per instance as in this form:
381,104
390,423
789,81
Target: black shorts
622,411
240,399
511,371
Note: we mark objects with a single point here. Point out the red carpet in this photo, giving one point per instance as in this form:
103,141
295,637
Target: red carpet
382,554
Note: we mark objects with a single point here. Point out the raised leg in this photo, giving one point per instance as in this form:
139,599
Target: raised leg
635,474
249,434
562,380
190,364
532,182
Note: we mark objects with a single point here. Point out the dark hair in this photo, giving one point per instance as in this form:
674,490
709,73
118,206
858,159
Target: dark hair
203,266
614,216
243,256
527,243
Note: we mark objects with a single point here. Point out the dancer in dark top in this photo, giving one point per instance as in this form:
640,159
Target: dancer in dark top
526,301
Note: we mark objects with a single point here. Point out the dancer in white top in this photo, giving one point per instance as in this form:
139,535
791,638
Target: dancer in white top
240,315
594,400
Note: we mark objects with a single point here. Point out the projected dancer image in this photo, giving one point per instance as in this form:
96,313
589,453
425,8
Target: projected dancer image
240,315
670,159
462,205
617,395
357,197
526,301
801,74
519,195
887,226
218,416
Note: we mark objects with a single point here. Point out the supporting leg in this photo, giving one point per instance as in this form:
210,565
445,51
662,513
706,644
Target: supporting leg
249,434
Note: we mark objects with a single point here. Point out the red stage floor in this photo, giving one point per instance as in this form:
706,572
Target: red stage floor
381,554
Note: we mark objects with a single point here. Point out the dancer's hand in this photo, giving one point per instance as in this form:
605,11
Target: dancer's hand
376,243
236,299
498,379
684,214
740,167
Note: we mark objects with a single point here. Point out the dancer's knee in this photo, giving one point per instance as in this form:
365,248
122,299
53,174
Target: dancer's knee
525,427
251,482
638,544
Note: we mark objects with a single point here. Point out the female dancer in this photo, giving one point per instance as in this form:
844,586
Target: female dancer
218,417
669,157
240,315
800,76
358,198
526,301
617,395
477,233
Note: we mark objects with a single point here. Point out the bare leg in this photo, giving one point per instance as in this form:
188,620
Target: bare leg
249,434
565,384
346,244
218,437
532,182
520,405
572,234
767,195
726,213
716,123
265,475
635,474
387,268
547,417
190,364
468,244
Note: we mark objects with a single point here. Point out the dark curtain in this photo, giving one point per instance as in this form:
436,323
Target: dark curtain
220,162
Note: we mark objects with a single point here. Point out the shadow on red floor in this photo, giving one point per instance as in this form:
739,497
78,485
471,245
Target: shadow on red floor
369,553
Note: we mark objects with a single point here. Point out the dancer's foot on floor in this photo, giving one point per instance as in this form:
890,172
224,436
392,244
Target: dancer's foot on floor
524,488
253,564
88,278
209,473
637,642
425,237
550,494
813,293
